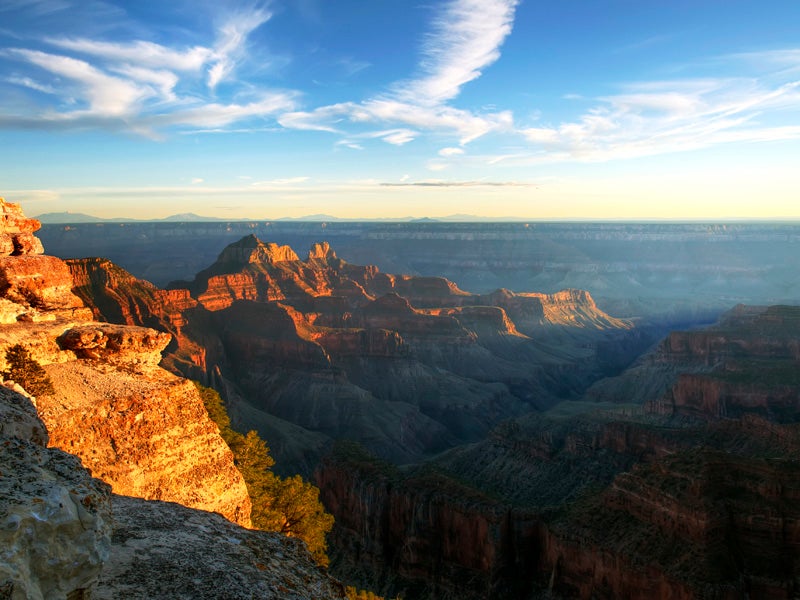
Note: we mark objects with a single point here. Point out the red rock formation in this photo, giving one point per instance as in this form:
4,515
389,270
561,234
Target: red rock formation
694,524
427,534
141,429
17,231
340,343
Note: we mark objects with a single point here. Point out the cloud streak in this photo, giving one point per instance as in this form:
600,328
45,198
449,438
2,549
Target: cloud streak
442,184
466,38
661,117
144,87
141,53
106,95
231,40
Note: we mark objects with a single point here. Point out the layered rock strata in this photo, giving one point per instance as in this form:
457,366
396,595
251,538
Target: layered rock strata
138,427
405,365
55,519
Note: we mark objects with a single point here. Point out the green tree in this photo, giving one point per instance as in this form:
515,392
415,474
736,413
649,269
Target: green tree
26,371
291,505
297,511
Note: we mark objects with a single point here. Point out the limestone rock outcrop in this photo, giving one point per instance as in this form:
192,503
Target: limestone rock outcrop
139,428
116,344
55,519
164,550
146,434
64,536
17,231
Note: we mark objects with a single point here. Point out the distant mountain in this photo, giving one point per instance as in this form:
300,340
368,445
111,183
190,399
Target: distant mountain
191,218
70,217
56,218
312,218
462,218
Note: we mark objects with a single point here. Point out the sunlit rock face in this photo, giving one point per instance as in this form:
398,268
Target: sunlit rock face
17,231
136,426
55,519
145,433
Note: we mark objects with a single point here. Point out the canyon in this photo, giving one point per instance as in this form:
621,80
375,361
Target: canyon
492,443
311,351
675,272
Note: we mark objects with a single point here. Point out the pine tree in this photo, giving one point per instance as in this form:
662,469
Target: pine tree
26,371
291,505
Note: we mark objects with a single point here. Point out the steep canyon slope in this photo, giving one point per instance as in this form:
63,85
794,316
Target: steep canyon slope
406,366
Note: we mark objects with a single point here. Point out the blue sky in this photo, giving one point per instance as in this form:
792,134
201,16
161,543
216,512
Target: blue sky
628,109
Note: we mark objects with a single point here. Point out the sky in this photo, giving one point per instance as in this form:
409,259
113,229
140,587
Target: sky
541,109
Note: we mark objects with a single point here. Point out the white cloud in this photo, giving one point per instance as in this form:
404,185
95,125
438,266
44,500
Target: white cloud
466,38
30,83
220,115
141,53
463,123
280,182
320,119
451,151
165,81
196,180
231,40
658,117
106,95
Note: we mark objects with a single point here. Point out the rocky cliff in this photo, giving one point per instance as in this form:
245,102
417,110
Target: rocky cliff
137,427
679,272
745,363
142,432
621,498
422,534
55,520
670,480
65,536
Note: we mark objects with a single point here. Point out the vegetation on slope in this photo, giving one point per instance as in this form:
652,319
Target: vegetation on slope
26,371
288,505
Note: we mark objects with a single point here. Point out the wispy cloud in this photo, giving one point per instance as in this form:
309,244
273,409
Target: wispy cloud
38,8
670,116
141,53
466,38
143,87
451,151
106,95
30,83
459,184
280,182
230,46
